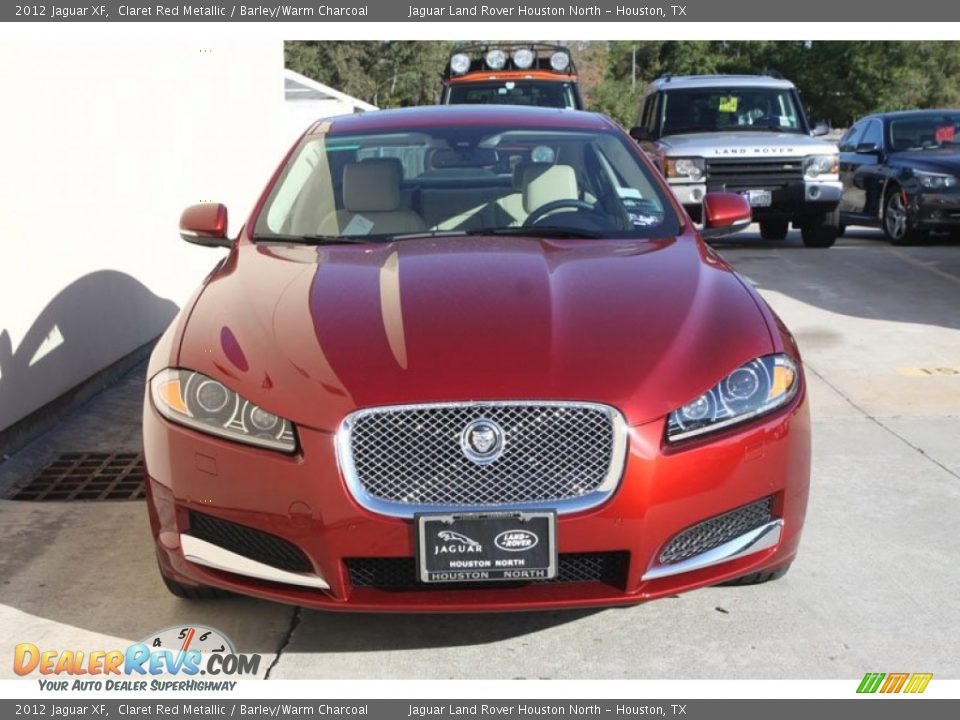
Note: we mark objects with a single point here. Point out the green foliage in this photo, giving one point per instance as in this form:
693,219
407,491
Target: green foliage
839,80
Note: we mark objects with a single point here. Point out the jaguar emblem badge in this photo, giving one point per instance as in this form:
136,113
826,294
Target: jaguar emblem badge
482,441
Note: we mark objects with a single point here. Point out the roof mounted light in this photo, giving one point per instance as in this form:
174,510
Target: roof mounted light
560,61
460,64
496,59
523,58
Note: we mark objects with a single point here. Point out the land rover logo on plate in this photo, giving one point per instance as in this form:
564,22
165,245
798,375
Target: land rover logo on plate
516,540
482,441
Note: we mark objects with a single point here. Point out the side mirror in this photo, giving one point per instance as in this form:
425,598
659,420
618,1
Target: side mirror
867,149
821,128
640,133
205,225
724,214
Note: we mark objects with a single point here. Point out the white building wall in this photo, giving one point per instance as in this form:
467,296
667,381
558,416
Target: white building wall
102,144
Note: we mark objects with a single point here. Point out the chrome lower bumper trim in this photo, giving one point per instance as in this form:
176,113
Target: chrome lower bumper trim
202,552
761,538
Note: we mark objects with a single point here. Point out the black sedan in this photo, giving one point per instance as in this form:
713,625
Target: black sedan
901,172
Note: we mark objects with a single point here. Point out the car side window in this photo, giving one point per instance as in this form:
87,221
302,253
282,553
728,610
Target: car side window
647,114
848,143
872,134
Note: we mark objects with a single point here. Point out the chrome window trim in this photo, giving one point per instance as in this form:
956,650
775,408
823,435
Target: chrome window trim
761,538
208,554
618,461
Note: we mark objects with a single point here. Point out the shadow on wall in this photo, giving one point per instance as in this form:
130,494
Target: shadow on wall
86,327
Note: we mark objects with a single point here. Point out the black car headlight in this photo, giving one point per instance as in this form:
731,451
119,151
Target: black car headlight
204,404
935,181
753,389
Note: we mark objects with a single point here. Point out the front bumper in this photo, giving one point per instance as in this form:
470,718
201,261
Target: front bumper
303,500
935,210
792,200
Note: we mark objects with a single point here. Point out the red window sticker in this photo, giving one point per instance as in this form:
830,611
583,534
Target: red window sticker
945,134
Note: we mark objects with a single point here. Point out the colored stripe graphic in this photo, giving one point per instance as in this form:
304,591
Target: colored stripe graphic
870,682
894,682
918,682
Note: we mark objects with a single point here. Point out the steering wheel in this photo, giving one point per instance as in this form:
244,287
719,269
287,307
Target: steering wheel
538,214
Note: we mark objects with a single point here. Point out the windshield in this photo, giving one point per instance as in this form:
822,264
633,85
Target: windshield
730,108
924,132
458,180
524,92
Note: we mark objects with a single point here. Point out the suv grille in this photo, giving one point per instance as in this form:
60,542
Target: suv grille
254,544
401,573
413,456
716,531
756,173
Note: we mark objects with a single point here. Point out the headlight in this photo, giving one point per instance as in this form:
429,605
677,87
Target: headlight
816,165
685,168
207,405
935,181
496,59
753,389
559,61
460,64
523,58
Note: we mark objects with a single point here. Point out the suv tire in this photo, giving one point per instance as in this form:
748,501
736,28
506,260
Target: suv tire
820,231
774,229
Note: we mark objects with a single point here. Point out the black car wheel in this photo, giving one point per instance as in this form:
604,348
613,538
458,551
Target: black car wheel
841,229
896,221
774,229
820,231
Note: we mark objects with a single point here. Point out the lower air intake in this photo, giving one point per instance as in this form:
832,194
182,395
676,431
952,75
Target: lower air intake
254,544
714,532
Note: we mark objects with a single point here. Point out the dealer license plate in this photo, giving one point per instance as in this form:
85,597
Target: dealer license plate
480,547
758,198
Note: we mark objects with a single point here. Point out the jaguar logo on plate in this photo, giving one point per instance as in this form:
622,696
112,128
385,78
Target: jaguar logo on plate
482,441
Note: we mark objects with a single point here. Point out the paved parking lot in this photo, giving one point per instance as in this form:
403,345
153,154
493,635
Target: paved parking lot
875,586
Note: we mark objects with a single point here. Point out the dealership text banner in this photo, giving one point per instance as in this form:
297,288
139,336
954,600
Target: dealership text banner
738,11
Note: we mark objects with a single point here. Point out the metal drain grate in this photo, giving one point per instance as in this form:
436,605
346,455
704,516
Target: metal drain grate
86,476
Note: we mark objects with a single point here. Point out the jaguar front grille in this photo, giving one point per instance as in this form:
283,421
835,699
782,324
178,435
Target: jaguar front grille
399,460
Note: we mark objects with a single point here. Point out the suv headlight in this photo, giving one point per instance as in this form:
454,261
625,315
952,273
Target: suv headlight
935,181
202,403
753,389
685,168
816,165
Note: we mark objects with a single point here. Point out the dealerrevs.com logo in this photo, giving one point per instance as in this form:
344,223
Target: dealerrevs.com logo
894,682
170,659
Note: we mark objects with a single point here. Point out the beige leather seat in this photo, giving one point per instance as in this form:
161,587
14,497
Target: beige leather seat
372,202
541,184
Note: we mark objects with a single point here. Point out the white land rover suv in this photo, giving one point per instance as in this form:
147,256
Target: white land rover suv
746,134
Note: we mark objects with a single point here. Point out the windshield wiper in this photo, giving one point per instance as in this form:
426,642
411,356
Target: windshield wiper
319,239
538,231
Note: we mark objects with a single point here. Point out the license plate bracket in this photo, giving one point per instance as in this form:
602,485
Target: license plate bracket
486,547
758,198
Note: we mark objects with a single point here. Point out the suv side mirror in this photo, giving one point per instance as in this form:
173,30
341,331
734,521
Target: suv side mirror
205,225
724,214
640,133
821,128
867,148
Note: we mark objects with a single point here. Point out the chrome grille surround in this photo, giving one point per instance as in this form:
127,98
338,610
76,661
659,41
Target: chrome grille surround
401,460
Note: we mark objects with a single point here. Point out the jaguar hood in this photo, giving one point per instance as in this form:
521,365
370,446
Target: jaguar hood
312,333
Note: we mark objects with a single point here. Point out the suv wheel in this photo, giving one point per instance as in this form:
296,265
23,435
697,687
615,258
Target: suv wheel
820,231
896,222
774,229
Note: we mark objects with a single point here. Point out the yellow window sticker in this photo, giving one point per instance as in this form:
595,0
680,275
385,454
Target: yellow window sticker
728,104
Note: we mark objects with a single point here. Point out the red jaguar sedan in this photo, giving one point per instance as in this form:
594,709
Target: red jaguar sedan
472,358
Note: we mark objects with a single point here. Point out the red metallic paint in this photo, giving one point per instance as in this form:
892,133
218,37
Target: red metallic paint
205,220
722,209
644,326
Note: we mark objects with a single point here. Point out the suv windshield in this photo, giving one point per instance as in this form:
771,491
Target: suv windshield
508,92
730,108
463,179
924,132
